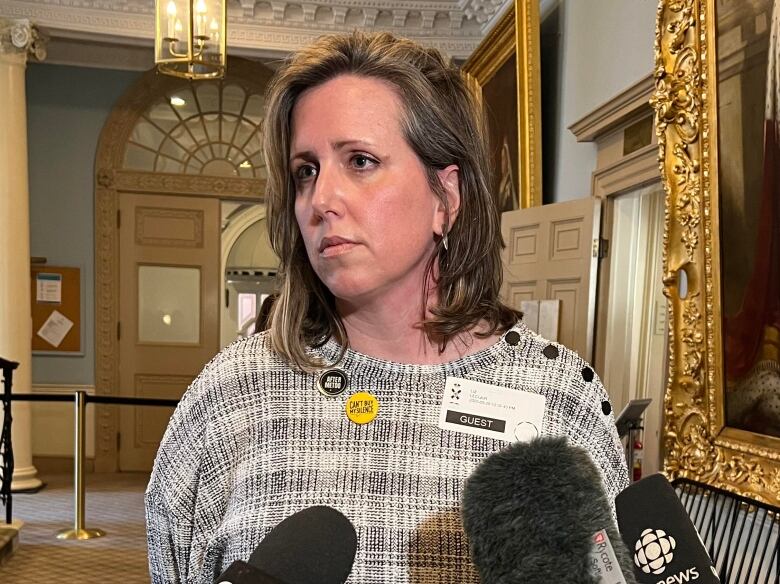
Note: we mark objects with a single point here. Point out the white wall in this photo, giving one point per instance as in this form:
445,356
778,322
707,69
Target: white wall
605,47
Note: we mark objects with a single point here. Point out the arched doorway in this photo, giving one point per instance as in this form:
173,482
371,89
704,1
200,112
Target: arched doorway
169,154
250,268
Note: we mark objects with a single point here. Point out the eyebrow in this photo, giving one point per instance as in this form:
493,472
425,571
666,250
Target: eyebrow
338,145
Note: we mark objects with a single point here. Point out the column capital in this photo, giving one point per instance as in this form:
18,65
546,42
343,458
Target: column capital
22,39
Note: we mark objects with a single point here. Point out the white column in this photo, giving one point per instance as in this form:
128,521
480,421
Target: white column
16,39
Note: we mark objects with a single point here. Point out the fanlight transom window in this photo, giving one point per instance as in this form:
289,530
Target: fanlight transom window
209,128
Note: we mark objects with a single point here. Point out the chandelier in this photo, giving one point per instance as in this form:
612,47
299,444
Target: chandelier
189,38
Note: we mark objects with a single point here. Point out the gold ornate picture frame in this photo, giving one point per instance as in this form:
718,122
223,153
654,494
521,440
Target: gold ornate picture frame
515,37
698,442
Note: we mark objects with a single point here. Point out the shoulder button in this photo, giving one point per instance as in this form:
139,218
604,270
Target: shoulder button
512,337
587,374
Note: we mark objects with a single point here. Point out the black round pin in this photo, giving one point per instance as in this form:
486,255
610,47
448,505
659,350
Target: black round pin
332,382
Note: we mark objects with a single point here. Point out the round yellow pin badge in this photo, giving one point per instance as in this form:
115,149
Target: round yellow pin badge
362,407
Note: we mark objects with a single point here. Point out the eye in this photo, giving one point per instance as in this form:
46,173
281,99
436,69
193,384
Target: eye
304,172
363,162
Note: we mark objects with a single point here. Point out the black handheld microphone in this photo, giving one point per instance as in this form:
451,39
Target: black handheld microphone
314,546
666,546
537,513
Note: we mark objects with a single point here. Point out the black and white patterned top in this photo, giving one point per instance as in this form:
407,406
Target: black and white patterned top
253,442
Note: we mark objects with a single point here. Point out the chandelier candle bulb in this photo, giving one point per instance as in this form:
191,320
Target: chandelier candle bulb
171,19
200,18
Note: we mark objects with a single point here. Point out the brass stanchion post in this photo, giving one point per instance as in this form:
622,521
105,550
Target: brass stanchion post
79,531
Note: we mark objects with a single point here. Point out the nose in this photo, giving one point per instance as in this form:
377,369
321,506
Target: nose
327,198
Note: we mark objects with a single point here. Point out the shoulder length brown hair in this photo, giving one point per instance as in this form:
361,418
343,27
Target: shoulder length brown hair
443,125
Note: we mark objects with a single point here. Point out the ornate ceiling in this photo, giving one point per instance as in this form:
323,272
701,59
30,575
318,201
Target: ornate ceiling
261,28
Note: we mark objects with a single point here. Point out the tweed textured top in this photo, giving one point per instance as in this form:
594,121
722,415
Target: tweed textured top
253,441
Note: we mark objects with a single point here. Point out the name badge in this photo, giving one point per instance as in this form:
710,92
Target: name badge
487,410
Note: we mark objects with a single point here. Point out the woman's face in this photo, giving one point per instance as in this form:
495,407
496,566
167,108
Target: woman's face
363,203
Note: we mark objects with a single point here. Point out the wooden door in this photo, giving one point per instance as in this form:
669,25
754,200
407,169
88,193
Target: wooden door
552,254
168,309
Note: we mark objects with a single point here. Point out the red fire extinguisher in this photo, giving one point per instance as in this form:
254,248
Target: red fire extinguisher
638,453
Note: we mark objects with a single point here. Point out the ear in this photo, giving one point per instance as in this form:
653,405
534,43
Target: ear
445,217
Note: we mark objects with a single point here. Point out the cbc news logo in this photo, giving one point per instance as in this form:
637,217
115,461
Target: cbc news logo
654,551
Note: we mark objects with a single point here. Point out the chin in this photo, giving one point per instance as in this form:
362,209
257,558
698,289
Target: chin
349,294
342,286
351,291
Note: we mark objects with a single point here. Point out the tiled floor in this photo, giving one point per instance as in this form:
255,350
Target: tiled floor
114,504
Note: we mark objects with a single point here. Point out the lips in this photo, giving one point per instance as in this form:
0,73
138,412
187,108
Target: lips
334,244
334,241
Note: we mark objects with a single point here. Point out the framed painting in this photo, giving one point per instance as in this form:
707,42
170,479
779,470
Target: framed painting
717,103
504,72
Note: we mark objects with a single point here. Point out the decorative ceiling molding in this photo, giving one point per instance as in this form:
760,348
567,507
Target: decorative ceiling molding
483,11
272,28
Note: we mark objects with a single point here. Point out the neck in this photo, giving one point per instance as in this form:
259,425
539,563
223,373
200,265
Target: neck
391,331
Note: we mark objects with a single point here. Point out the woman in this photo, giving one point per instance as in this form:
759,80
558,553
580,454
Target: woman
390,269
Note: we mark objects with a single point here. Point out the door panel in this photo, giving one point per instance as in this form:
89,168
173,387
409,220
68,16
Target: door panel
169,306
550,255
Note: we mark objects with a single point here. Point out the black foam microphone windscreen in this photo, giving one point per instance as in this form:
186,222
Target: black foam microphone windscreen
314,546
240,572
656,528
536,513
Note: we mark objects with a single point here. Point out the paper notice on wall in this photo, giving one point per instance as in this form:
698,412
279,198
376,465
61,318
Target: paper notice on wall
48,288
55,328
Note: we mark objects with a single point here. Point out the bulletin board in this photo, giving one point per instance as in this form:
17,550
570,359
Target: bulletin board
55,293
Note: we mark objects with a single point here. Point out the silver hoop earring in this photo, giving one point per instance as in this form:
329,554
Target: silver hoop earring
445,243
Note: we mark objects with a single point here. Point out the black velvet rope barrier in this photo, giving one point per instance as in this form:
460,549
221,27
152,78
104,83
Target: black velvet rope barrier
7,397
